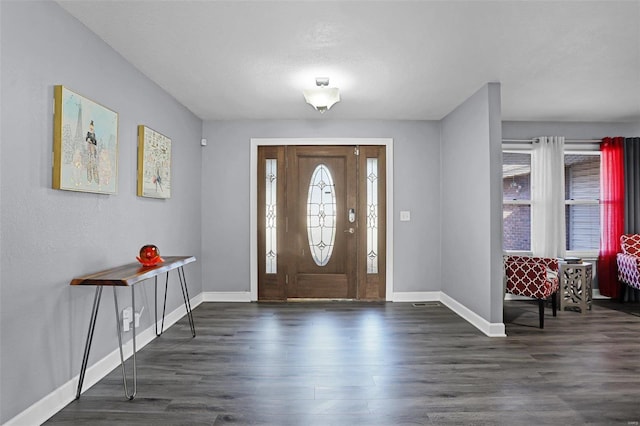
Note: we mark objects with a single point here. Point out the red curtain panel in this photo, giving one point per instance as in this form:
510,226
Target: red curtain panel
612,212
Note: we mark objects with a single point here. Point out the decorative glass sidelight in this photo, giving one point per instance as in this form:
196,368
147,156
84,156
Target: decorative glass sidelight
271,185
321,215
372,215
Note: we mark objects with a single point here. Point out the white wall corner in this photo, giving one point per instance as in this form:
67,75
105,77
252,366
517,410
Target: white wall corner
488,328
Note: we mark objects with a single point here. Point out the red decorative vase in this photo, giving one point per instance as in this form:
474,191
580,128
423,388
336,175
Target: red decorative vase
149,255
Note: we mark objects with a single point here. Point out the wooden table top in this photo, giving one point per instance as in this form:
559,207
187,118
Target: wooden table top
131,273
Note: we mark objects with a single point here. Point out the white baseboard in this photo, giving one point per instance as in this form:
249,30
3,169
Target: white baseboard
416,296
46,407
488,328
596,294
227,296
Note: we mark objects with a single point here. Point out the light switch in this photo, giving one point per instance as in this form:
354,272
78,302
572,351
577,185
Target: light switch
405,216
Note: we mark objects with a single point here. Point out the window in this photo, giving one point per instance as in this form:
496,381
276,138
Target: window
516,206
582,193
271,218
321,215
372,215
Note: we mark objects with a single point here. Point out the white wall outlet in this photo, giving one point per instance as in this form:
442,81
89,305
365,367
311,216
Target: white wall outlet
127,317
405,216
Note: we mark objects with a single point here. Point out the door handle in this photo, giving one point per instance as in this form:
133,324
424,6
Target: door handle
350,231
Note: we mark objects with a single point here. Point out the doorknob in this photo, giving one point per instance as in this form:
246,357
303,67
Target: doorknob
350,231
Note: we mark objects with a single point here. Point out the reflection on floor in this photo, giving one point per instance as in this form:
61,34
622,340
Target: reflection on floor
349,363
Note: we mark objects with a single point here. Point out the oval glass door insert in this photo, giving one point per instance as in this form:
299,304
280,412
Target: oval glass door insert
321,215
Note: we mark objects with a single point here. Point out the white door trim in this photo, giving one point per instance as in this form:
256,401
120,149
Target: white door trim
253,194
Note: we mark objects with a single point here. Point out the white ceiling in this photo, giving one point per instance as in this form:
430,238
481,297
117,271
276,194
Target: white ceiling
409,60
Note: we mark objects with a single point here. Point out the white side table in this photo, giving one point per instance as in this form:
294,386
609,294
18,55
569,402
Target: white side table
575,286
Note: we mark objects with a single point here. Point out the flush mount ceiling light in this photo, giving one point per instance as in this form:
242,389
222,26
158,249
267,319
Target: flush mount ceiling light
322,97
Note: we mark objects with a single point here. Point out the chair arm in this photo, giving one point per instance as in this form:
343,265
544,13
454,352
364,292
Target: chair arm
629,269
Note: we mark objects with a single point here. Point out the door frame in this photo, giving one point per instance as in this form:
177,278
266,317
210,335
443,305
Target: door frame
253,198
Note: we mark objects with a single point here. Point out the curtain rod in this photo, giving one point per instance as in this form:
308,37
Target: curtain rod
566,140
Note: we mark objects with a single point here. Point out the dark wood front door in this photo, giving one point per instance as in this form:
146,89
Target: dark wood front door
322,190
321,222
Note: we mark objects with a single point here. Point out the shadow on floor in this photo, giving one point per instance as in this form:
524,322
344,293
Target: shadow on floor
524,313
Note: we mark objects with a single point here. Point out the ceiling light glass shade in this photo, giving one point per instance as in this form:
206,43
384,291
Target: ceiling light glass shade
322,98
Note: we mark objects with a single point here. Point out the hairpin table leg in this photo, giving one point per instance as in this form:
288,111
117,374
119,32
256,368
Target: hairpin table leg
119,327
187,302
164,305
87,345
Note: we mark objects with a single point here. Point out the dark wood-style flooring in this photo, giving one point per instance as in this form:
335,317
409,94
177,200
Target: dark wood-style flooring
347,363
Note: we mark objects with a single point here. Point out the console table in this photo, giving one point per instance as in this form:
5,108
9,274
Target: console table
128,275
575,286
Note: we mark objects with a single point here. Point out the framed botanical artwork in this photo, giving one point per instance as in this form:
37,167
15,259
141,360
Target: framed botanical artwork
85,144
154,164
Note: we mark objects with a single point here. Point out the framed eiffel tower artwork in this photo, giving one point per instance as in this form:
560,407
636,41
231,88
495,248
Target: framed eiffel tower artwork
154,164
85,144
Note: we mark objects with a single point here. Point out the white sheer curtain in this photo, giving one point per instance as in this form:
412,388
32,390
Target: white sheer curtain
548,236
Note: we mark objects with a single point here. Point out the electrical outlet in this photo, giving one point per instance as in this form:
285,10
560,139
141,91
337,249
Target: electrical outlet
127,317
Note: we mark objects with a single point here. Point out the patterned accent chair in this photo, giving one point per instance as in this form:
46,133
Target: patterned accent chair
629,262
535,277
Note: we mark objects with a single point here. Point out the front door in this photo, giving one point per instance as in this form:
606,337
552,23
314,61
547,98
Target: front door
322,194
321,222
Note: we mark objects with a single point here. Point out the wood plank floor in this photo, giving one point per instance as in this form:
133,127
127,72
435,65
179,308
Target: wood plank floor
347,363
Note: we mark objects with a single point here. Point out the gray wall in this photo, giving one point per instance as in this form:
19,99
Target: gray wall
49,236
225,195
471,204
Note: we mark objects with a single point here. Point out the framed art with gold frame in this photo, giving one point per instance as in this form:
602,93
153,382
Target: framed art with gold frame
85,144
154,164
